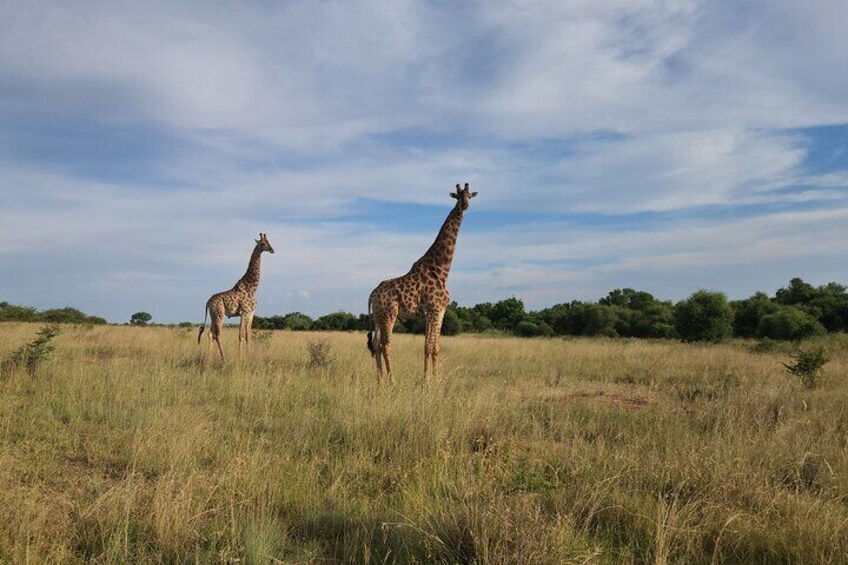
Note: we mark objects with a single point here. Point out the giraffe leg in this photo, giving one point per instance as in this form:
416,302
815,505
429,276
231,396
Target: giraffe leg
248,331
427,348
433,325
385,348
242,320
215,333
436,341
378,356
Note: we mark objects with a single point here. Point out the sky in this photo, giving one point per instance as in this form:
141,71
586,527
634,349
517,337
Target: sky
666,146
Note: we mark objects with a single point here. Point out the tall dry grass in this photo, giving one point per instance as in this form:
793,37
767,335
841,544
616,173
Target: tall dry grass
129,446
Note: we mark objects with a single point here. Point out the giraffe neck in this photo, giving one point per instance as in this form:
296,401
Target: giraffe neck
251,277
439,257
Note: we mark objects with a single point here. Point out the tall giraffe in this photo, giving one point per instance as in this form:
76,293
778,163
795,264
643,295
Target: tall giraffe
421,290
238,301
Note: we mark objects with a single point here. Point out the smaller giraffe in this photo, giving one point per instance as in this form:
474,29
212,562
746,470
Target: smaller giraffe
238,301
421,290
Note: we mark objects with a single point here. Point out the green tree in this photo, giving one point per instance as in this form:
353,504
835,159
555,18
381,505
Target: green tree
704,316
533,327
140,319
748,313
797,292
599,320
789,323
297,322
12,313
506,314
831,304
337,321
451,324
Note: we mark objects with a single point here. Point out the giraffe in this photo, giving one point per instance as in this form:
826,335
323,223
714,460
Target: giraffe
238,301
421,290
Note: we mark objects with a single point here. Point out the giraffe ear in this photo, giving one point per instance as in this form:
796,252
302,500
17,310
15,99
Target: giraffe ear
473,194
453,195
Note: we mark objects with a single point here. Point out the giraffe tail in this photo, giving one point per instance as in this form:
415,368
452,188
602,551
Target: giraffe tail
372,333
203,327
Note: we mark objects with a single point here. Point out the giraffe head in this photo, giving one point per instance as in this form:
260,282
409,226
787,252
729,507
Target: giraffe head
263,244
463,196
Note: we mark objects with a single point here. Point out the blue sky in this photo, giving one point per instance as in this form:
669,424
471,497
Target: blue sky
668,146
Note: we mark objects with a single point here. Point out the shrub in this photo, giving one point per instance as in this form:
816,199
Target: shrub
31,355
789,323
533,328
704,316
807,365
320,353
12,313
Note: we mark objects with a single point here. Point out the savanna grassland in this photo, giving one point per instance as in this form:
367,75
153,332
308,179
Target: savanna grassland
127,446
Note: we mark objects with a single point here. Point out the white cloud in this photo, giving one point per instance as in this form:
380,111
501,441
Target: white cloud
291,112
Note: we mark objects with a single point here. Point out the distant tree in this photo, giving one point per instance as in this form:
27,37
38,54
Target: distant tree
653,320
12,313
415,324
140,319
704,316
599,320
747,313
831,304
628,298
364,322
506,314
533,327
563,319
298,322
451,324
789,323
472,319
66,315
185,325
337,321
797,292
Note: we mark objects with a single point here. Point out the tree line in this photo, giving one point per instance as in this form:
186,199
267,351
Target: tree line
797,311
66,315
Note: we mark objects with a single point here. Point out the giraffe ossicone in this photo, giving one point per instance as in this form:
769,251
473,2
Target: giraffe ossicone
238,301
421,290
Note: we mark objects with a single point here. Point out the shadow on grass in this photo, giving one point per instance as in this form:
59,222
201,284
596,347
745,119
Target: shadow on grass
354,539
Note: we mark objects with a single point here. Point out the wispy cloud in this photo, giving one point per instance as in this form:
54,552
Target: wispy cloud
668,145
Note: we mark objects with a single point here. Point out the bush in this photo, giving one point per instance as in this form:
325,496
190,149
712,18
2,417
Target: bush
807,365
31,355
320,353
534,328
704,316
789,323
12,313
